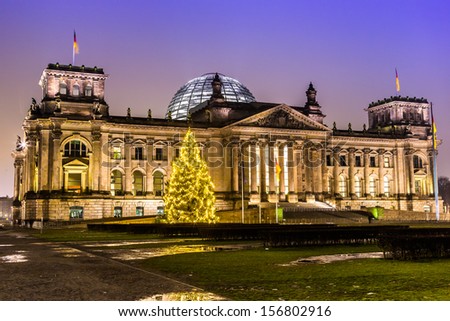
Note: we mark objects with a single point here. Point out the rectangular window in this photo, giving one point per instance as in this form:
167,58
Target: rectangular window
358,162
386,162
357,187
159,154
418,185
118,211
88,91
343,187
160,210
417,162
75,148
373,161
76,212
63,89
117,153
177,153
342,160
329,160
76,90
386,186
138,153
74,182
139,211
372,187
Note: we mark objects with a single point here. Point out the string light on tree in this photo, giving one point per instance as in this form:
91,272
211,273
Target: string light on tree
189,196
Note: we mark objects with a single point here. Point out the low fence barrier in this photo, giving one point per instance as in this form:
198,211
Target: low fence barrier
398,242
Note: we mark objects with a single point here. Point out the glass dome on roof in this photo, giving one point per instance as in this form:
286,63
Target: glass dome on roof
199,90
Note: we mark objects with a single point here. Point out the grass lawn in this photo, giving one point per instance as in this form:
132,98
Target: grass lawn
259,274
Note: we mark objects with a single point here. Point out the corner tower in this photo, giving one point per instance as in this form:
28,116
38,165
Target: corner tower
73,90
408,115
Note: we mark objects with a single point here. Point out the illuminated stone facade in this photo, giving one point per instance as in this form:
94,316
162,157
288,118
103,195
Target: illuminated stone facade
79,162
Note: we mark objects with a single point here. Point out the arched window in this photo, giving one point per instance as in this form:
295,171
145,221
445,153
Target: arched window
417,161
330,185
358,189
343,186
76,90
158,183
75,148
116,182
63,88
372,186
88,90
138,183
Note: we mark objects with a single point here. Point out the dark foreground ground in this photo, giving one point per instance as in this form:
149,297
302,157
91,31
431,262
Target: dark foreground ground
32,270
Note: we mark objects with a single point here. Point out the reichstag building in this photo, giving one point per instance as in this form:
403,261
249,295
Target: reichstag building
77,161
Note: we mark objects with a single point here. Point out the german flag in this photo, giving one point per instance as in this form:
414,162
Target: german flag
278,171
433,129
75,44
397,82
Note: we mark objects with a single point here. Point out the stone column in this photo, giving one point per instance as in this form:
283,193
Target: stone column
262,170
245,159
380,172
149,166
18,165
56,160
44,160
235,166
324,168
394,185
95,165
170,157
300,165
316,171
272,187
336,151
366,171
127,179
30,161
351,173
105,167
410,170
307,170
282,187
84,175
253,171
217,165
292,174
401,175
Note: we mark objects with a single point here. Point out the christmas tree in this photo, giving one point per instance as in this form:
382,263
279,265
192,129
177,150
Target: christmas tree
189,196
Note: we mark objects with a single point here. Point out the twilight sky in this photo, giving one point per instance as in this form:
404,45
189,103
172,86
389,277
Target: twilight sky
150,48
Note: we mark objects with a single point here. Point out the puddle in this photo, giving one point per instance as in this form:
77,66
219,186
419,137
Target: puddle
142,253
324,259
14,258
125,243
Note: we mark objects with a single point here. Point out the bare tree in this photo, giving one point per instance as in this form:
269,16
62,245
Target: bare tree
444,188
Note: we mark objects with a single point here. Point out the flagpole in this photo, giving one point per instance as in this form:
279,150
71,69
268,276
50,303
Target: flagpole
436,186
277,192
242,188
435,177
